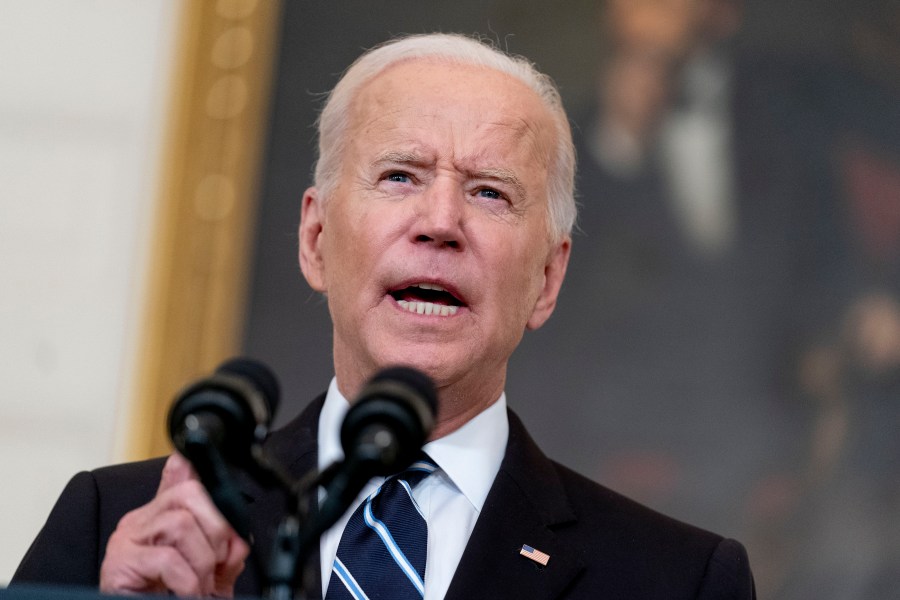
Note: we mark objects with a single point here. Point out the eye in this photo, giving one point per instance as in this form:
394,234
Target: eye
398,177
489,193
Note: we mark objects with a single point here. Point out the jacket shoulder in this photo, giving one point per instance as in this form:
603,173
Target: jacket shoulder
656,555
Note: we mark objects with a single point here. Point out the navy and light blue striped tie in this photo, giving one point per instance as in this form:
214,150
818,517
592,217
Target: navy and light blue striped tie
382,550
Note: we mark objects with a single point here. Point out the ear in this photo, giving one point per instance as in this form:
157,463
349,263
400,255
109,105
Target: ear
554,273
312,228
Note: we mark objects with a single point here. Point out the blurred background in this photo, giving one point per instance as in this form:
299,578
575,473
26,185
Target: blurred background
727,345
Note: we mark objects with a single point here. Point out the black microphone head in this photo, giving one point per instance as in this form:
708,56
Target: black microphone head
400,401
414,380
259,376
233,407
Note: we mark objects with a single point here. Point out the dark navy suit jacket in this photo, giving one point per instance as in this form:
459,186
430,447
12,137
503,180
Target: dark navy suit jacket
601,544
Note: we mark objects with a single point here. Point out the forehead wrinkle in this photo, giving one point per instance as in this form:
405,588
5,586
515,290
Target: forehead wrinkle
527,134
373,114
405,157
520,126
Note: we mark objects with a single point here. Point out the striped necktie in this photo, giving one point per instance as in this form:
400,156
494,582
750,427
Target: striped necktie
382,550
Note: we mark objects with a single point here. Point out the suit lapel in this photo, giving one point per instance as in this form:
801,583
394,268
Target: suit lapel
525,503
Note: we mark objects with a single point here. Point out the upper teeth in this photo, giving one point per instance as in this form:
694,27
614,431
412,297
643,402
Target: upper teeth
428,308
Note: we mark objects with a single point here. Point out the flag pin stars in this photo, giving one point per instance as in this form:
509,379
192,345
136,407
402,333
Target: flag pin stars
536,555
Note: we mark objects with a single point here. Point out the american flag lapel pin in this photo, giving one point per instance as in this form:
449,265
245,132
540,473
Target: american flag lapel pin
536,555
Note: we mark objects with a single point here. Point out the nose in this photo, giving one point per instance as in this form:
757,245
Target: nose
439,216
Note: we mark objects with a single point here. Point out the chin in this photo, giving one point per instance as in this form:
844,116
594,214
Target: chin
439,364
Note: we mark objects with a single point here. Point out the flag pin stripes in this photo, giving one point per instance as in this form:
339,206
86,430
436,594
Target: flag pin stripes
536,555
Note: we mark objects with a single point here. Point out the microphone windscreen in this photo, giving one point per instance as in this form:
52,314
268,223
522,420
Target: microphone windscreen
418,382
397,406
256,374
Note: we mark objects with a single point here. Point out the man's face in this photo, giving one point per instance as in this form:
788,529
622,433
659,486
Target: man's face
434,248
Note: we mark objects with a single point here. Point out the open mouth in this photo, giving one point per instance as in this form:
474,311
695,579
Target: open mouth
427,299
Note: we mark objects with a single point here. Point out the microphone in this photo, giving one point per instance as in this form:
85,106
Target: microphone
389,422
230,410
382,434
219,421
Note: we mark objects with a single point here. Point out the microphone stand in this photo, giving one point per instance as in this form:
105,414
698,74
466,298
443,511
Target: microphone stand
298,533
290,548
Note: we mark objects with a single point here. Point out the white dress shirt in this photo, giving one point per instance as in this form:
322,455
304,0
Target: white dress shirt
451,499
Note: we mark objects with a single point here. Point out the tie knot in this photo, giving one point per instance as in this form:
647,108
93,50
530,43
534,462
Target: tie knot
419,470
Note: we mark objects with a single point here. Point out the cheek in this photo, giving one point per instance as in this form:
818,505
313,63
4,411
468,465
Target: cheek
519,285
353,248
341,226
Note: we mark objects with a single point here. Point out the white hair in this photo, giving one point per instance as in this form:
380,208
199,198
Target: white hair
455,49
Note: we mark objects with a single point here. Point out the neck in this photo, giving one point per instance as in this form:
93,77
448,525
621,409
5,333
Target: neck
456,407
458,402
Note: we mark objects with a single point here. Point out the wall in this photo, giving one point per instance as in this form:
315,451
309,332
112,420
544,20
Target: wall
83,92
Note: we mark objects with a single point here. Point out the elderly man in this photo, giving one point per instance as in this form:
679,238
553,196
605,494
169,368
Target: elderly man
438,230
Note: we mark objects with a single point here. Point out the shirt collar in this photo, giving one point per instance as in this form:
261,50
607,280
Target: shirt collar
470,456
